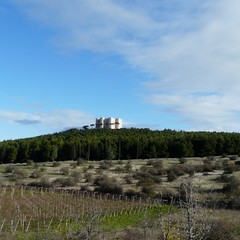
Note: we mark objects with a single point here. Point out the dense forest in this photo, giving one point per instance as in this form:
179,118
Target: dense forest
98,144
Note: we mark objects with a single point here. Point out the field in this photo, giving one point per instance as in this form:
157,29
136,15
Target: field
30,212
124,199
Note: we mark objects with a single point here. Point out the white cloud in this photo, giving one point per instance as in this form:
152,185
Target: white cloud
58,119
190,48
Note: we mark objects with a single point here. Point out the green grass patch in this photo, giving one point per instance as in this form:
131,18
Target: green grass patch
134,217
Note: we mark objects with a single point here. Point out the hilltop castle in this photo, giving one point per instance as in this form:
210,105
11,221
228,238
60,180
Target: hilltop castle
112,123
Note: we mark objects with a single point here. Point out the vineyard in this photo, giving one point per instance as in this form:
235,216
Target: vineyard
25,211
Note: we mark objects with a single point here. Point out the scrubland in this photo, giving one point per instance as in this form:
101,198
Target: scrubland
186,198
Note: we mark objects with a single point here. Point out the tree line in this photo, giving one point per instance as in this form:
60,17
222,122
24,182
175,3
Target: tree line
98,144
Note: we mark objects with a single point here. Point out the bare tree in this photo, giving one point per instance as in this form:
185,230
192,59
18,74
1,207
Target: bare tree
195,219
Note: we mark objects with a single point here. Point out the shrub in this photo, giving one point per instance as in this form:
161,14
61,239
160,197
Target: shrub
128,166
36,165
42,169
147,186
171,176
64,182
56,164
150,162
128,179
148,190
36,174
106,164
65,171
80,162
120,162
225,178
182,160
221,230
179,170
9,169
76,175
73,165
119,169
156,171
218,166
108,185
207,167
145,181
131,193
84,188
198,168
232,185
210,158
233,157
91,167
229,169
30,162
44,182
19,174
88,177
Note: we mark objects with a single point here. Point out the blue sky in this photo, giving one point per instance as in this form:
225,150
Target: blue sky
157,64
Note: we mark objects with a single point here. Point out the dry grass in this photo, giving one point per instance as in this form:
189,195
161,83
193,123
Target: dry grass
206,182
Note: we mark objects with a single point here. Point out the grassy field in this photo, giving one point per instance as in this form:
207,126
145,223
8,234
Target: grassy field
118,199
123,172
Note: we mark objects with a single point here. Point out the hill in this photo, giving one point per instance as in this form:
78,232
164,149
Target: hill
98,144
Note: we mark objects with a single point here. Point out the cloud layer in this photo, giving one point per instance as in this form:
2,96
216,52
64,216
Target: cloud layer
190,49
58,119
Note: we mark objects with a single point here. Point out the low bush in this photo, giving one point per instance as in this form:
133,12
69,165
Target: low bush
148,191
42,169
156,171
233,157
90,166
128,166
65,170
221,230
36,174
9,169
19,174
88,177
171,176
106,164
128,179
119,169
30,162
179,170
182,160
74,165
131,193
207,167
232,185
64,182
145,176
44,182
56,164
76,176
229,169
158,164
108,185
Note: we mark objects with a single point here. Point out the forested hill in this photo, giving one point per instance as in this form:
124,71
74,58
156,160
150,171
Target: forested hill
97,144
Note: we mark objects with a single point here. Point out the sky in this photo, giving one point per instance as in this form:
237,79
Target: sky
158,64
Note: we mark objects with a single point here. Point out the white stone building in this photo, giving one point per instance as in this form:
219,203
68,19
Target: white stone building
112,123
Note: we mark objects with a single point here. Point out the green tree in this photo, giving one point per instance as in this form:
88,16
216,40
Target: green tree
46,150
11,154
54,153
23,151
2,154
